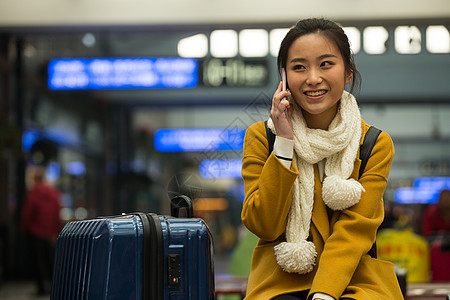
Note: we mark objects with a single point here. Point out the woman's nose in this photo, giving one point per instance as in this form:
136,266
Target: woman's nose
314,77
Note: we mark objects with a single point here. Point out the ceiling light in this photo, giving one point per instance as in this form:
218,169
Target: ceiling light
193,46
88,40
253,43
374,39
407,40
224,43
354,36
276,37
438,39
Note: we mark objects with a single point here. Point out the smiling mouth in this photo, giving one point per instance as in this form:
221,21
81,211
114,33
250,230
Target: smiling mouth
315,93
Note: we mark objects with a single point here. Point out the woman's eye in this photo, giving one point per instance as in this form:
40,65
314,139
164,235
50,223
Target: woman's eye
326,64
299,67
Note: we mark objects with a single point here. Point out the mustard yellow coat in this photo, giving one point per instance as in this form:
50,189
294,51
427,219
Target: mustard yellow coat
342,238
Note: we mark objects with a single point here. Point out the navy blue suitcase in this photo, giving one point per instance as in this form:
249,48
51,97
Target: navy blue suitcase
135,256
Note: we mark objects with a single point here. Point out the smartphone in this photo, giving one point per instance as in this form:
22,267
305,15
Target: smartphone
283,80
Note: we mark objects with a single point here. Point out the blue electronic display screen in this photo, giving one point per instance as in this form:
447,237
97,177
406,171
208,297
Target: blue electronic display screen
122,73
439,183
60,137
199,139
425,190
29,137
221,168
412,195
76,168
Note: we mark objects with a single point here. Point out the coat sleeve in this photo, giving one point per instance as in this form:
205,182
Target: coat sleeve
267,186
354,231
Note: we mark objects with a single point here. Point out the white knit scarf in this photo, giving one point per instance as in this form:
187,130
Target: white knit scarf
339,145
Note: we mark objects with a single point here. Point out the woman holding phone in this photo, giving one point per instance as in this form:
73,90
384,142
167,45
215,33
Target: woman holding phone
315,218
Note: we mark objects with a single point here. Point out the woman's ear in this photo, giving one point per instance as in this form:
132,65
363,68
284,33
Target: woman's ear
348,77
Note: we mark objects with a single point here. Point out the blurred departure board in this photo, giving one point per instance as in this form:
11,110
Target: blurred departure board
221,168
198,139
122,73
234,72
425,190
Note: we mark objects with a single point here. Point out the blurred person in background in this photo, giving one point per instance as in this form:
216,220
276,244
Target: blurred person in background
41,224
436,220
390,220
436,228
316,221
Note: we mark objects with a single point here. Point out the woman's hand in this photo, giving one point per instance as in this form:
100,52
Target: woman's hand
281,113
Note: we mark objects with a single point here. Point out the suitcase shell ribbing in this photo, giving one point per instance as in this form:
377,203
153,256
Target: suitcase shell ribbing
134,256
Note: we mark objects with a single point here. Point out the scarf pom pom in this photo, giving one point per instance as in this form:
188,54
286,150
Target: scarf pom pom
339,194
297,257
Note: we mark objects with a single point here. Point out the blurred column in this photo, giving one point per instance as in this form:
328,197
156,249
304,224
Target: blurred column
4,182
18,100
119,152
12,183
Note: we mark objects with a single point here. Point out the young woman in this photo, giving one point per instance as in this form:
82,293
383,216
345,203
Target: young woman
315,219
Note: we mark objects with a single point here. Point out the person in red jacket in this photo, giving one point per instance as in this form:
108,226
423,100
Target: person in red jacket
437,216
41,222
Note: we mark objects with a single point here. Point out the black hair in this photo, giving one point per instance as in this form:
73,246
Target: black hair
329,29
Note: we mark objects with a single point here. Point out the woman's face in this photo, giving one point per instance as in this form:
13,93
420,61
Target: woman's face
316,75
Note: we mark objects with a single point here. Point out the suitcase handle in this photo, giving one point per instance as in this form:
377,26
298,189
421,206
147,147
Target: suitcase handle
181,203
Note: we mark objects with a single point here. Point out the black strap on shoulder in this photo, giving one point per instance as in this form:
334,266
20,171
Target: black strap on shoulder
366,148
364,153
270,137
